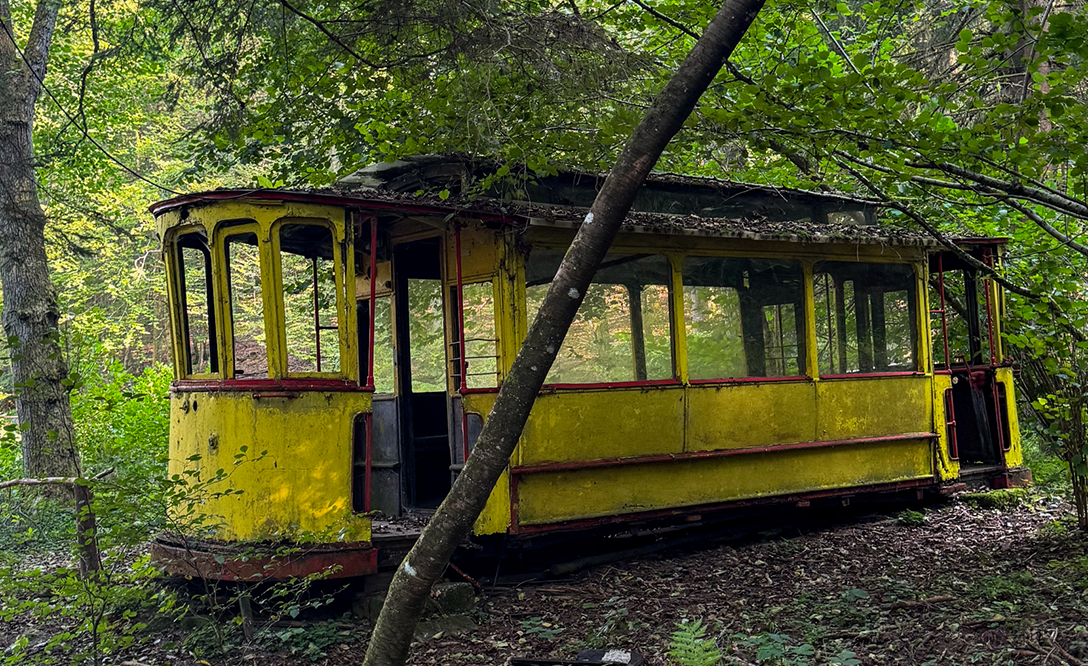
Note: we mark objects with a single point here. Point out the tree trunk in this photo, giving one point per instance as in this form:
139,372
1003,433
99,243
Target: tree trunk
451,523
30,300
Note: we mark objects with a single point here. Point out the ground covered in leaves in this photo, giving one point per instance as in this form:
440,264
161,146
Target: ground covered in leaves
961,585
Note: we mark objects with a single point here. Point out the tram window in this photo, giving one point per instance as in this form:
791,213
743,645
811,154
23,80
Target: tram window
426,335
309,298
960,310
481,342
195,273
246,305
743,317
866,317
384,369
622,331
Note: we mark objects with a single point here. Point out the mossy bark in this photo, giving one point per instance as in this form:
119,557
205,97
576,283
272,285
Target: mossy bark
30,311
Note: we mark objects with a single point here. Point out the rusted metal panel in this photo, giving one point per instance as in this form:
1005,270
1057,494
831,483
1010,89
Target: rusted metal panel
257,562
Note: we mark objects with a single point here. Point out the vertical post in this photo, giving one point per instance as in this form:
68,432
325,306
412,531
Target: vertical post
840,322
987,284
679,321
974,333
865,333
752,323
880,330
832,338
463,368
369,421
638,334
373,311
317,315
944,311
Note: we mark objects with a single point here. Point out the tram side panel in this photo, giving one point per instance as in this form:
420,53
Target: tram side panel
1014,455
873,434
289,455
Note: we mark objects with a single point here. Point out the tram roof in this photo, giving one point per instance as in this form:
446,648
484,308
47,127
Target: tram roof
667,204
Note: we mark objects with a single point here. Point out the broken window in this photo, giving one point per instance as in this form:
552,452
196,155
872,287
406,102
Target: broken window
622,331
866,317
246,305
743,318
194,264
309,298
481,342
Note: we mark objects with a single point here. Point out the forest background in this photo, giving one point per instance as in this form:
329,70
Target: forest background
943,109
962,116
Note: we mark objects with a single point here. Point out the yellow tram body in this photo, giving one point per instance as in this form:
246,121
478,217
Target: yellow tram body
306,452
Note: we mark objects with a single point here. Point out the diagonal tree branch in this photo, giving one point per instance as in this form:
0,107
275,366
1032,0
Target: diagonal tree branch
933,231
1047,227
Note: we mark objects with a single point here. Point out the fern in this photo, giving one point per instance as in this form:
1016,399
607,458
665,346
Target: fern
690,646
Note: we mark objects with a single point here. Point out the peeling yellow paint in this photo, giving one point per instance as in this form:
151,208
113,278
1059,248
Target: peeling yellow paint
295,473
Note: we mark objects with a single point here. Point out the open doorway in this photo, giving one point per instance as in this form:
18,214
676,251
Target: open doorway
421,368
966,345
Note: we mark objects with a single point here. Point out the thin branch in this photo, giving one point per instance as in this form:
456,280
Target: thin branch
328,33
1046,197
1047,227
41,82
933,231
54,480
733,69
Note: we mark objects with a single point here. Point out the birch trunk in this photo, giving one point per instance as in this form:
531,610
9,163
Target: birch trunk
427,560
30,311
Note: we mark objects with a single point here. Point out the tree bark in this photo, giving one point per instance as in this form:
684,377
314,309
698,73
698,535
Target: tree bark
428,558
30,310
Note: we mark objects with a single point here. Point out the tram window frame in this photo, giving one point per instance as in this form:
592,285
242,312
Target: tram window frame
952,337
756,284
541,266
336,310
385,369
475,380
867,359
223,244
182,306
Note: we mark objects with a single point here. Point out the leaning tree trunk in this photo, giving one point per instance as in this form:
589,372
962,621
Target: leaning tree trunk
451,523
30,311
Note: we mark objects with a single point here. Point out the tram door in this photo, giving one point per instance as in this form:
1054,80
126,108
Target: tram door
967,346
421,373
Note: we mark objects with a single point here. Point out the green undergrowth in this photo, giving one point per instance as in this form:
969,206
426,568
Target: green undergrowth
1050,474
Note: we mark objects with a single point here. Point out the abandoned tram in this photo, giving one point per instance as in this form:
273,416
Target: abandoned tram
337,353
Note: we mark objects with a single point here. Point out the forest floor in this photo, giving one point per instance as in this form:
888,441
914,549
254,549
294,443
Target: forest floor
965,586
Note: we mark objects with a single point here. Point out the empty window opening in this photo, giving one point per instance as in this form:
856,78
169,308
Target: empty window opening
426,335
965,316
481,341
198,312
246,305
309,298
743,318
866,317
623,329
384,367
